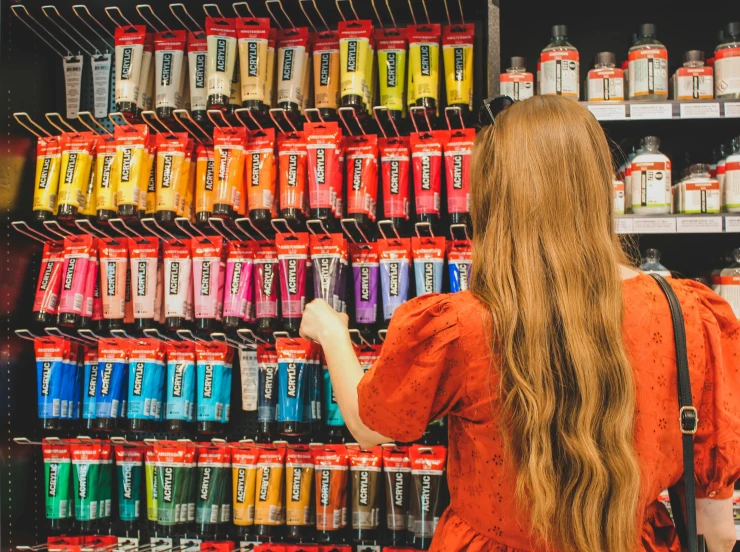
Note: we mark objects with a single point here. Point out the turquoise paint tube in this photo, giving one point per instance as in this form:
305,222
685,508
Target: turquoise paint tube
293,368
146,363
429,258
90,384
213,367
86,465
58,484
129,471
332,415
180,385
106,482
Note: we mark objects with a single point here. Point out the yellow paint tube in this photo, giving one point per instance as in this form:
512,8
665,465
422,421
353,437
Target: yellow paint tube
253,36
48,161
354,49
457,50
326,74
410,90
189,209
148,175
244,472
299,470
424,64
369,89
132,158
185,178
151,185
105,188
268,498
306,91
221,60
87,210
391,47
292,47
76,164
171,158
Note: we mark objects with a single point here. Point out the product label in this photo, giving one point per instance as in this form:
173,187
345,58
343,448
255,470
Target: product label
695,83
648,72
606,85
518,86
651,184
560,73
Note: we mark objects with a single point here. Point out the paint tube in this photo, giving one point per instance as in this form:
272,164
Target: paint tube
180,385
229,144
292,45
426,506
86,473
293,356
253,36
50,379
113,267
221,60
315,385
57,482
391,45
204,194
367,355
307,91
129,43
131,168
457,50
144,254
235,87
244,483
150,198
197,57
362,178
292,252
87,207
397,475
324,182
395,155
266,284
429,258
105,187
111,392
426,154
370,75
330,468
238,286
183,181
79,377
395,258
91,281
150,484
171,477
365,468
212,507
299,480
48,288
169,54
177,269
209,271
365,273
213,361
268,499
354,46
146,371
326,74
171,161
459,263
76,163
424,64
89,386
271,63
189,207
48,162
267,390
105,482
292,158
260,175
326,258
333,419
129,468
77,251
145,97
458,148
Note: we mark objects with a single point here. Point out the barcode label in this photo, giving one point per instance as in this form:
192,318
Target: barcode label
77,306
63,508
274,515
52,201
89,306
65,407
93,510
219,410
108,507
53,302
228,411
114,409
214,514
225,513
250,513
337,518
147,407
191,511
56,408
73,69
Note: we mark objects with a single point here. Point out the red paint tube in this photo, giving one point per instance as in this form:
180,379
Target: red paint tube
395,158
331,467
266,283
113,269
49,287
426,153
238,289
144,255
292,252
339,167
77,251
362,178
260,175
209,271
292,159
458,149
324,181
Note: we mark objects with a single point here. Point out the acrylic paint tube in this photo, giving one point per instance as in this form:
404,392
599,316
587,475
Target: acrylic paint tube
326,258
292,159
204,179
354,46
58,484
331,467
144,255
184,179
129,469
209,271
111,393
145,370
87,206
213,361
292,45
459,263
324,182
97,314
106,482
333,419
50,379
228,165
426,506
315,386
235,88
260,178
113,267
197,58
362,178
49,287
129,42
150,485
299,479
292,252
253,36
76,409
177,269
69,369
77,251
429,259
269,493
267,390
171,477
46,184
150,199
293,358
458,148
169,54
89,387
424,64
91,282
365,274
307,99
367,355
397,475
395,156
212,507
105,187
221,60
392,45
271,68
74,173
244,460
180,385
171,161
145,98
370,77
238,284
426,154
338,166
365,467
131,168
395,259
457,50
266,285
86,466
326,74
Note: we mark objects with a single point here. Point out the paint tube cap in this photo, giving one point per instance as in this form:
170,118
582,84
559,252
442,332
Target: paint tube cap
732,30
647,30
519,61
605,58
693,55
559,31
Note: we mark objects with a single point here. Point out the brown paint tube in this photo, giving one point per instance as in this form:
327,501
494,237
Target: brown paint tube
397,476
365,467
427,474
331,470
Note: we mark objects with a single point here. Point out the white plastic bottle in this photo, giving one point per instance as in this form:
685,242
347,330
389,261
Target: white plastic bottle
619,203
651,264
605,81
651,180
694,81
560,66
699,191
648,66
730,283
722,150
628,176
727,63
732,178
517,83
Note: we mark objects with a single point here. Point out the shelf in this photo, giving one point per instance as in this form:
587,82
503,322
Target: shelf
669,109
678,224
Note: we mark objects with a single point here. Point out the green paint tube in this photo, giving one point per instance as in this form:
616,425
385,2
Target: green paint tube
86,464
106,482
57,479
173,466
212,490
192,483
151,486
129,468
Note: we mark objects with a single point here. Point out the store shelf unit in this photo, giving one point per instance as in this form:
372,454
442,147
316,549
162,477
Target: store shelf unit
678,224
671,109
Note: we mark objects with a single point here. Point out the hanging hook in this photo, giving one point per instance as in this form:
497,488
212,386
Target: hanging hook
113,9
120,334
206,7
224,228
94,121
241,229
89,335
427,225
426,12
463,227
305,14
251,116
457,108
281,221
282,9
186,115
344,222
22,227
242,4
126,123
68,127
15,7
164,232
250,338
315,222
180,222
393,17
87,227
57,332
382,335
28,336
141,7
377,14
91,16
69,36
411,9
447,11
462,15
186,12
18,115
58,230
145,114
342,111
382,223
223,338
212,112
415,109
376,110
252,226
313,111
129,232
353,333
285,116
154,333
351,5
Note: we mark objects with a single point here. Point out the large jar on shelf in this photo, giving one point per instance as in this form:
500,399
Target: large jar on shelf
650,180
699,192
732,178
648,66
730,283
559,72
727,63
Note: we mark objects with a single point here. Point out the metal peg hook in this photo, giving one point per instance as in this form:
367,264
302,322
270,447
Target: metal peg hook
91,16
161,232
126,123
282,9
94,121
238,222
388,222
376,110
54,227
186,12
115,9
382,335
129,232
22,227
69,36
90,335
275,223
313,111
19,115
377,14
28,336
19,7
244,5
87,227
393,18
153,114
342,111
206,7
356,334
187,227
185,114
244,231
458,109
463,227
232,236
154,333
141,7
211,112
68,127
223,338
316,222
316,9
427,225
285,116
251,116
344,222
415,109
337,3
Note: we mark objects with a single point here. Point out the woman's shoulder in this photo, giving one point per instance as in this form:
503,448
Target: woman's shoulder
450,307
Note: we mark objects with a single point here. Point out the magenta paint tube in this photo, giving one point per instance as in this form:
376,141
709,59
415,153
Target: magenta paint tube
209,270
46,301
292,250
91,281
77,250
266,276
238,285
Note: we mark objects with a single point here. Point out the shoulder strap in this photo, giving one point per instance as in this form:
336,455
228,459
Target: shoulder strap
688,420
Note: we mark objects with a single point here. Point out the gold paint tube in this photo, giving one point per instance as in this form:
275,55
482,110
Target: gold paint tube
204,183
148,174
268,499
87,210
306,91
221,60
171,153
76,164
457,50
253,36
105,188
132,157
244,471
326,74
48,162
424,64
189,209
151,186
185,178
299,477
354,46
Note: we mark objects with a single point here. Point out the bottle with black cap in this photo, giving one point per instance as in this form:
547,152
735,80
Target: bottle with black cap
517,83
648,66
727,63
693,81
560,66
605,81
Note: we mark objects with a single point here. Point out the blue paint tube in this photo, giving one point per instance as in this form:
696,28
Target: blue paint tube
180,385
50,354
332,415
293,373
226,391
111,392
69,365
429,259
267,390
314,390
89,386
395,258
211,366
145,364
460,263
76,411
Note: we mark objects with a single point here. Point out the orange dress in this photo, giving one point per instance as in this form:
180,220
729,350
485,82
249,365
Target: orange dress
435,362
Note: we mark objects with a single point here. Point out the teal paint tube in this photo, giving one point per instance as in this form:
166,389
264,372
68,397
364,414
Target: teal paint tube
106,482
58,484
129,473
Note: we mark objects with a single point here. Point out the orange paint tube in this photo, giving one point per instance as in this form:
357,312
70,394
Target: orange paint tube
204,180
331,470
292,161
228,145
260,175
185,179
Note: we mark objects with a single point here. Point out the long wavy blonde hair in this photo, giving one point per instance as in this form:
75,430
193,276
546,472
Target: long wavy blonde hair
546,264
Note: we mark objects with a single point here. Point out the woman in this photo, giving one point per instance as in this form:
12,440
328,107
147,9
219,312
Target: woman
557,371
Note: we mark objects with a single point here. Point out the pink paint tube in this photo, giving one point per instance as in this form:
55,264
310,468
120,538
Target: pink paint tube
292,255
77,251
113,265
46,302
209,270
266,286
177,281
144,253
90,282
238,287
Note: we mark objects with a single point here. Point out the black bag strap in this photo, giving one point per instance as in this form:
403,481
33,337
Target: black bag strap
688,421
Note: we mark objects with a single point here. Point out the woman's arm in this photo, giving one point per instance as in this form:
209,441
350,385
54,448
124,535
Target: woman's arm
714,520
323,324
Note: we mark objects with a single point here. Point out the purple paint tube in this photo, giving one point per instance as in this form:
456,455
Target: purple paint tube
395,260
365,269
292,251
